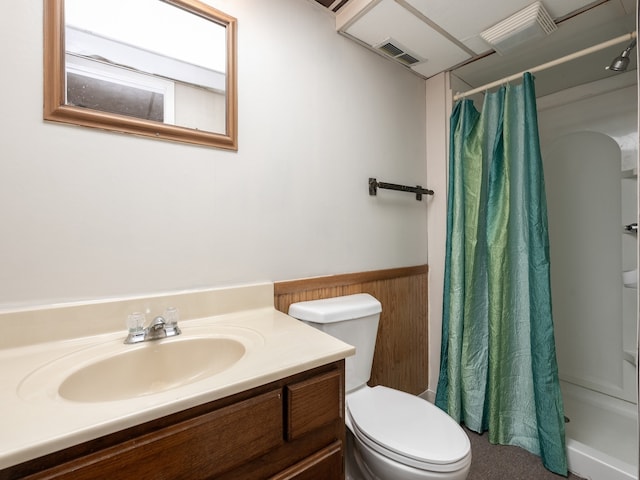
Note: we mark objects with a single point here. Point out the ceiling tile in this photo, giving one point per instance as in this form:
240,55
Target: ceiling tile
388,19
465,23
590,28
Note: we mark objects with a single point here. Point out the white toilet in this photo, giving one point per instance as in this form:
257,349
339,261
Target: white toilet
391,435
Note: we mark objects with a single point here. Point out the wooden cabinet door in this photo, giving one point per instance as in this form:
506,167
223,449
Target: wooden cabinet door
196,449
327,464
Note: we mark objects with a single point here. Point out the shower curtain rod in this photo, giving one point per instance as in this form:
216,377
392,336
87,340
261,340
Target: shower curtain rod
581,53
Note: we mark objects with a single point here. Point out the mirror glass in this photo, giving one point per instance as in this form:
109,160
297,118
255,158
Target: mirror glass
162,68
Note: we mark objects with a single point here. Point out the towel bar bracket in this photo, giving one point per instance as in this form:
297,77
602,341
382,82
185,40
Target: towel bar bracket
374,185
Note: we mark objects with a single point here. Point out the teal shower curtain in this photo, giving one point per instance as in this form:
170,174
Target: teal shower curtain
498,367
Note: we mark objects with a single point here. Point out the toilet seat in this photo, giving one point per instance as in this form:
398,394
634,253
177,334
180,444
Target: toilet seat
408,429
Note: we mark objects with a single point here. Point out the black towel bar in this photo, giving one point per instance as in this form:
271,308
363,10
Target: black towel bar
374,185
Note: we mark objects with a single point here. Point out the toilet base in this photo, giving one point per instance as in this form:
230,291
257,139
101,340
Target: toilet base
352,470
362,463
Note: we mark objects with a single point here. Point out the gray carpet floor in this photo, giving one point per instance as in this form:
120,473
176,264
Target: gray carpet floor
500,462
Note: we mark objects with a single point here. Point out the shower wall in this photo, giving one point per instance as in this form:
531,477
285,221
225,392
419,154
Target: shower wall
589,144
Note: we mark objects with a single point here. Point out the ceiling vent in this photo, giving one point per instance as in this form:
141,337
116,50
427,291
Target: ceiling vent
392,48
530,23
332,5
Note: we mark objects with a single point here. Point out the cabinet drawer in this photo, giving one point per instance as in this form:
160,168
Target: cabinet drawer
313,403
198,448
326,464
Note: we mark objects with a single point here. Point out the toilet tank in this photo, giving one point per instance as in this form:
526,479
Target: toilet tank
354,320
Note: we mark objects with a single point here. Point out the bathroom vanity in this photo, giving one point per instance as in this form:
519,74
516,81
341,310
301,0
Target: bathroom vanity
278,412
289,429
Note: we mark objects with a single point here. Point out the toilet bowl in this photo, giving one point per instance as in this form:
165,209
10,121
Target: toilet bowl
391,435
400,436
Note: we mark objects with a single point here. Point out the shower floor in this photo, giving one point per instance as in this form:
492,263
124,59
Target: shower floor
605,424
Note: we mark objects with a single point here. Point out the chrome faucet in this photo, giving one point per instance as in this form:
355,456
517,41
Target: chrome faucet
160,327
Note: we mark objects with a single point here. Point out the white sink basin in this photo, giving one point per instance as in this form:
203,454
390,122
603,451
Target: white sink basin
151,367
108,370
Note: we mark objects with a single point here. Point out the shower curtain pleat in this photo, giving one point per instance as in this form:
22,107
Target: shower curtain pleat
498,363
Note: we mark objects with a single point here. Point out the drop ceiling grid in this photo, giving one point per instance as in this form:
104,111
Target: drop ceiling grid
465,23
388,19
600,24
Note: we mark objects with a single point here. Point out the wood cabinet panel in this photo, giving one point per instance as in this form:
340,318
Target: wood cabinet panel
313,403
327,464
226,438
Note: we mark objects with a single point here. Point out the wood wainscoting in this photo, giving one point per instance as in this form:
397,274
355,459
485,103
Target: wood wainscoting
401,355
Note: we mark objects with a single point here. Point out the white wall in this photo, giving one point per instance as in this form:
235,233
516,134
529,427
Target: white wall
89,214
438,107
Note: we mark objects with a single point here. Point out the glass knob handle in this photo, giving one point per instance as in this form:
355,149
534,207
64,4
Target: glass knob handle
135,321
171,316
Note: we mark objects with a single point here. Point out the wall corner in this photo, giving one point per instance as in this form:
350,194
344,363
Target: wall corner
439,99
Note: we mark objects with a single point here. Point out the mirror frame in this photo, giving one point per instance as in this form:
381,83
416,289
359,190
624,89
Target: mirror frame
56,109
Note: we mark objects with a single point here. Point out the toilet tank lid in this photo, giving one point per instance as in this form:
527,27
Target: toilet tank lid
336,309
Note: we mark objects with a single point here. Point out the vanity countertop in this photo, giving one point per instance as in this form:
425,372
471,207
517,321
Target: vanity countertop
36,420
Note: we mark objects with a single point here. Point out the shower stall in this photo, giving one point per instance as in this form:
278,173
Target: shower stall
589,143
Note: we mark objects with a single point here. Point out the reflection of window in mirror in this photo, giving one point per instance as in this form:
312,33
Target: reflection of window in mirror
100,87
170,76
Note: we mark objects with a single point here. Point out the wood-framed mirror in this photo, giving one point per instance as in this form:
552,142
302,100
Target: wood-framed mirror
158,68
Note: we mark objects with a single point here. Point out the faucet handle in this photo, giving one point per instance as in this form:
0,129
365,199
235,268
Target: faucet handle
135,322
171,316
